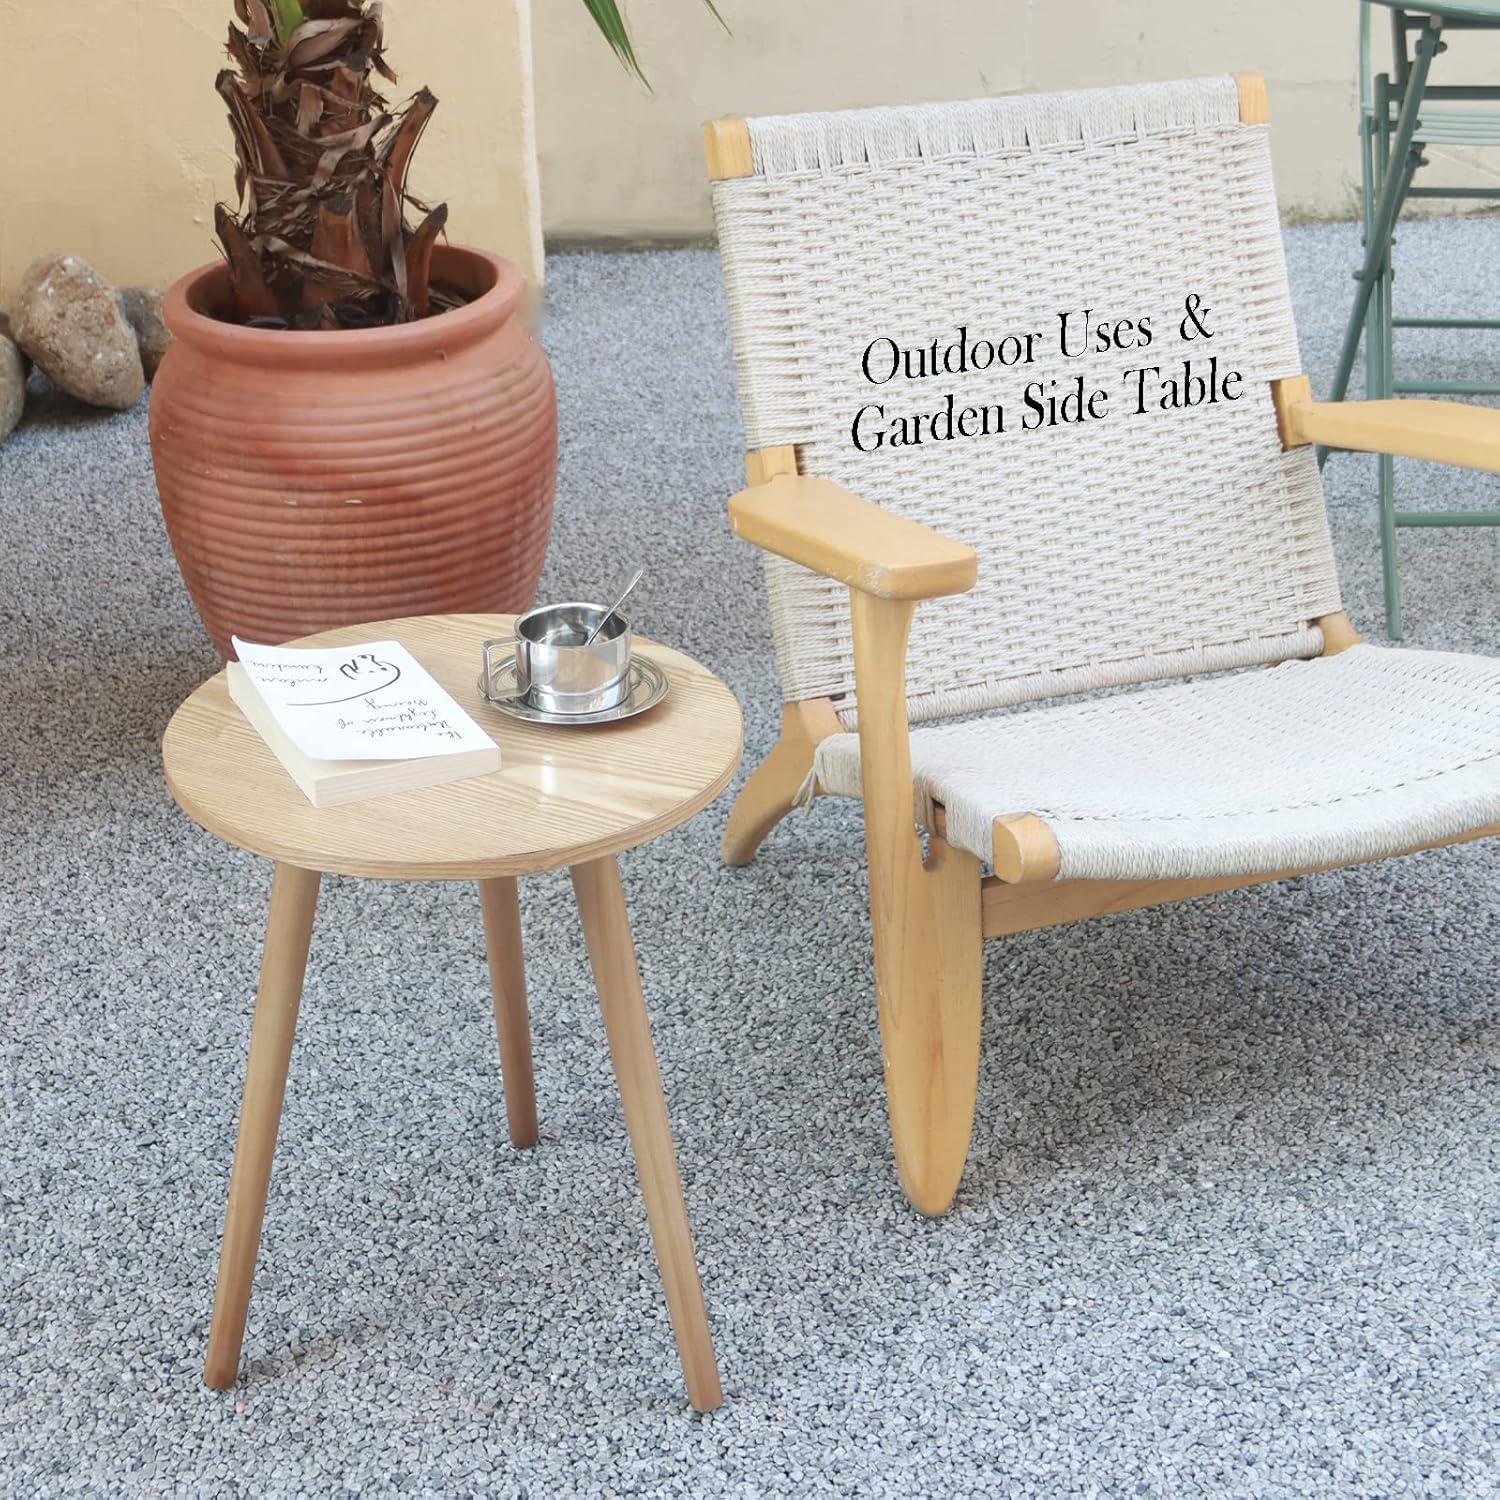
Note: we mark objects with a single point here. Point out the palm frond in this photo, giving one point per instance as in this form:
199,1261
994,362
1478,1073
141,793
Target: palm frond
611,23
289,17
607,18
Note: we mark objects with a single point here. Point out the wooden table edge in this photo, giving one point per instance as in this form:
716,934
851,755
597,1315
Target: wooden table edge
535,863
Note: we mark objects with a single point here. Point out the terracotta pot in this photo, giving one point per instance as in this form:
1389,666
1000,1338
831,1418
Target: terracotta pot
311,480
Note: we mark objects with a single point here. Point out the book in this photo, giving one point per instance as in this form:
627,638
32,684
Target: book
353,722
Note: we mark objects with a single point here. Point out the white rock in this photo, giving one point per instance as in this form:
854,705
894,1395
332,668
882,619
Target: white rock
12,387
142,308
67,319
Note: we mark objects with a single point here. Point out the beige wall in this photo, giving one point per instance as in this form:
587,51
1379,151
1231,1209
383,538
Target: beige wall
617,160
115,144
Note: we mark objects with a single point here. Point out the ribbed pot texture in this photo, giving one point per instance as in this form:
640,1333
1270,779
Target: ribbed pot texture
316,479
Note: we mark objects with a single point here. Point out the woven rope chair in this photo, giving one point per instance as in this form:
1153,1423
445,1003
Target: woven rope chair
1134,546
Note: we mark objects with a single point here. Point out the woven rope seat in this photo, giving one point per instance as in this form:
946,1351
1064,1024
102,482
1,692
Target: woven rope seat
1342,759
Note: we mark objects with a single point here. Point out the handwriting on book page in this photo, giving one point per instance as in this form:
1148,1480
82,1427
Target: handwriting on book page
373,701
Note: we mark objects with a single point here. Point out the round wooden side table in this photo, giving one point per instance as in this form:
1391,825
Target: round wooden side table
571,796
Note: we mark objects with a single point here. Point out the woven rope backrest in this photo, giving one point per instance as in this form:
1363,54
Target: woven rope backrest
902,266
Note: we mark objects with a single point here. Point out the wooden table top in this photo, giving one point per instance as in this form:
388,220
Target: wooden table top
562,795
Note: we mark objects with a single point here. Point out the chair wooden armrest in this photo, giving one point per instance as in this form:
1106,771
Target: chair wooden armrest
1443,431
827,528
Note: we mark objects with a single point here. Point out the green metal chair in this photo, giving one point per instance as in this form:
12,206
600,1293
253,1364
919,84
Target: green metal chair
1397,123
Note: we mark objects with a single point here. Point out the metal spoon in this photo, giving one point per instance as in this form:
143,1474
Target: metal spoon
635,578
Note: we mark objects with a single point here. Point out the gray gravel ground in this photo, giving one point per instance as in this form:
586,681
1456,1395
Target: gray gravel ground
1228,1225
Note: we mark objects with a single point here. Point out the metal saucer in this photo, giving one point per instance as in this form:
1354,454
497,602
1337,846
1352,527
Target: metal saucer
648,686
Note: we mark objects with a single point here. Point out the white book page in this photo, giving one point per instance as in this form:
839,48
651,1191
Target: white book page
373,701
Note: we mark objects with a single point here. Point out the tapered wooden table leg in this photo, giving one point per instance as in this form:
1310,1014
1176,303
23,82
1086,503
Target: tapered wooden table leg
606,925
294,898
502,941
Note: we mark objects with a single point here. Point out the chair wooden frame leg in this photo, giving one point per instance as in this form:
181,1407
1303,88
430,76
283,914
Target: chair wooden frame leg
771,792
606,927
502,942
294,900
926,922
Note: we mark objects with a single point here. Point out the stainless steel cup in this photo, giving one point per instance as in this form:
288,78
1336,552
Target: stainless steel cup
554,669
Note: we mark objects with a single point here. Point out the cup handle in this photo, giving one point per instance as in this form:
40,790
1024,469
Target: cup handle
486,647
